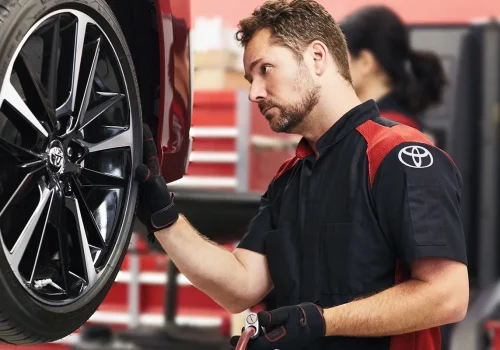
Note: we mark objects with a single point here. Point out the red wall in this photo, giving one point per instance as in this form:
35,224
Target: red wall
413,11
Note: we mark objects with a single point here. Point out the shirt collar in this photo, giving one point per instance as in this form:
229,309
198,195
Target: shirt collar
348,122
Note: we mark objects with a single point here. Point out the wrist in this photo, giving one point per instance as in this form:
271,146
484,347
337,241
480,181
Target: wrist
315,318
330,324
177,225
166,216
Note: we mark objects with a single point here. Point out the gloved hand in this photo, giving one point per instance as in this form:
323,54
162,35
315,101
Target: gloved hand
288,327
156,208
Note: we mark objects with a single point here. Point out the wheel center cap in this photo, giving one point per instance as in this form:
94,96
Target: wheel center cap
56,156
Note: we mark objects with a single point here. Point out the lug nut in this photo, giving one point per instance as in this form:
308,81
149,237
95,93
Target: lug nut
70,152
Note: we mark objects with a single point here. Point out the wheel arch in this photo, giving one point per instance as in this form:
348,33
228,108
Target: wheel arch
158,35
138,22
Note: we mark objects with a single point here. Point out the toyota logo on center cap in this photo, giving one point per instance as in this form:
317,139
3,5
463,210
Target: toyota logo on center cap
56,157
416,157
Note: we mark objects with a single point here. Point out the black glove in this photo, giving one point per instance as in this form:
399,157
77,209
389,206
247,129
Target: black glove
288,327
156,208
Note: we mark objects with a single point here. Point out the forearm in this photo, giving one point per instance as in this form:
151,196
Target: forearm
407,307
209,267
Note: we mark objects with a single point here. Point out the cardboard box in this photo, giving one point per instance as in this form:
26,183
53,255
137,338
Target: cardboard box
217,59
219,79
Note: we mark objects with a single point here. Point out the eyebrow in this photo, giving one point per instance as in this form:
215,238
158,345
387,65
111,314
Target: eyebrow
252,65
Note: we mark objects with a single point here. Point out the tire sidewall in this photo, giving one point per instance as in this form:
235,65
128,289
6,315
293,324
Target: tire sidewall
17,304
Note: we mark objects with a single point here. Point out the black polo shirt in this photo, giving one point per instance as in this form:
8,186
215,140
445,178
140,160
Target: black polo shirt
350,223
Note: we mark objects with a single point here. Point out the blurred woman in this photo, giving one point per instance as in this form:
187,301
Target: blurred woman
404,82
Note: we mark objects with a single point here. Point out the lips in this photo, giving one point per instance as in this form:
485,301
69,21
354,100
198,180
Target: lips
266,109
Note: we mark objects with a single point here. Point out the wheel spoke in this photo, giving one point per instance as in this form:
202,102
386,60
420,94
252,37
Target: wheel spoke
49,71
86,254
93,230
57,217
88,87
36,163
17,152
102,179
51,205
13,192
110,100
81,27
79,41
10,95
34,91
121,140
19,248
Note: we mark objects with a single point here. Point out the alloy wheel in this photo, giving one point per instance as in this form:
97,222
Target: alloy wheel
65,155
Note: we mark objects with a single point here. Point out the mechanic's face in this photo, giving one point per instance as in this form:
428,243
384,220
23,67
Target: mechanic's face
283,88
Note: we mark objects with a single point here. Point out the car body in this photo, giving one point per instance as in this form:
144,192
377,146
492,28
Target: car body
176,94
165,57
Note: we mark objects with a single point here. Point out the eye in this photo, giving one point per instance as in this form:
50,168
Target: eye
265,68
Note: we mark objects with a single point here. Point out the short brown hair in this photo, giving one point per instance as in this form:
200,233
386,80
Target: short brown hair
295,25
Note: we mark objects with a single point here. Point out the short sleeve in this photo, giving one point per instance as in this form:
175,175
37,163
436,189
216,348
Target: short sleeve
417,197
259,226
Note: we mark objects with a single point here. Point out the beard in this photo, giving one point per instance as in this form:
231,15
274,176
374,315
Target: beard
291,115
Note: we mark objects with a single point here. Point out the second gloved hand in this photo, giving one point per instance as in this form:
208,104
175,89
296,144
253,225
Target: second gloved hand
156,208
288,327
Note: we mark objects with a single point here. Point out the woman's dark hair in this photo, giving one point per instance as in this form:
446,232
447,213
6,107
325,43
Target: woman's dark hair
418,77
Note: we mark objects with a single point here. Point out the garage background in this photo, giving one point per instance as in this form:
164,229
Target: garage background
234,152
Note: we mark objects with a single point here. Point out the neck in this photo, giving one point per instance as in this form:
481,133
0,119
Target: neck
374,90
327,112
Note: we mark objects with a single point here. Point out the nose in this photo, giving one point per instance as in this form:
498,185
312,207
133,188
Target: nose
257,91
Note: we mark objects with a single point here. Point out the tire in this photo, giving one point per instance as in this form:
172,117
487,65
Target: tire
57,170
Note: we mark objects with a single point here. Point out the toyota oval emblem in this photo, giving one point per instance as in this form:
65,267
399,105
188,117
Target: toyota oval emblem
416,157
56,157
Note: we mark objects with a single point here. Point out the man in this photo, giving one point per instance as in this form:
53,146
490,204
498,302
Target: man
359,234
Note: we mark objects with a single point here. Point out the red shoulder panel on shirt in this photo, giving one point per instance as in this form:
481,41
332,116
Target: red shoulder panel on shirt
287,165
400,118
382,139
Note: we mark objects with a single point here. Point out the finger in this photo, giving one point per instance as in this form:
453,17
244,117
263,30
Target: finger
154,186
234,340
149,146
275,335
146,132
272,319
270,341
142,173
153,165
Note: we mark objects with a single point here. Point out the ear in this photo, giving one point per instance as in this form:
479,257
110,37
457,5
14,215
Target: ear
319,53
367,63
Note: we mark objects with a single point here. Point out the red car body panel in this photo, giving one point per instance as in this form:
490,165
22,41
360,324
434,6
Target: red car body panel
175,107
